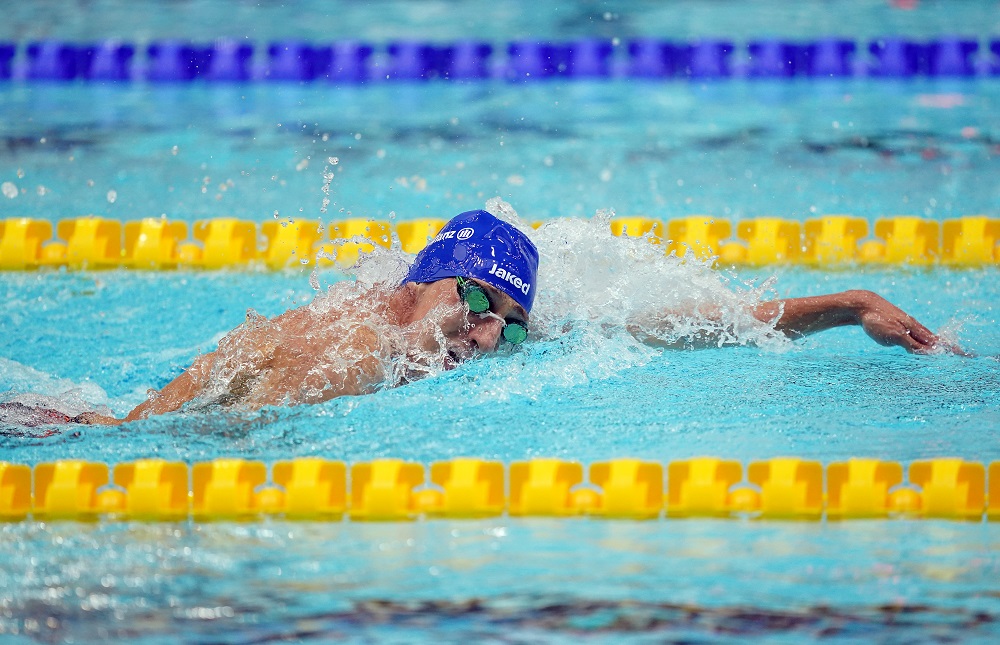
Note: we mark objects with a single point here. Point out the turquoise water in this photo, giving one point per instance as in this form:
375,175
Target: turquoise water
552,581
735,149
583,395
382,20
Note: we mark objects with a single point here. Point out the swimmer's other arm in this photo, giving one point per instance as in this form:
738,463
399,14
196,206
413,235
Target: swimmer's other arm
365,373
173,395
884,322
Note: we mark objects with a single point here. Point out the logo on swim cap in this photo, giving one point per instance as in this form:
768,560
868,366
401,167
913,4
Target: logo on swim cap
510,277
477,245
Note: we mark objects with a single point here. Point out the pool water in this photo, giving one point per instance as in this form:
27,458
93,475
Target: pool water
521,581
441,20
733,149
585,395
581,389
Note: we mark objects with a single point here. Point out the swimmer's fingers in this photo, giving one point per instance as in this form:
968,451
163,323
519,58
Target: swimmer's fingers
917,338
889,328
915,346
904,338
931,342
920,340
893,327
887,324
919,333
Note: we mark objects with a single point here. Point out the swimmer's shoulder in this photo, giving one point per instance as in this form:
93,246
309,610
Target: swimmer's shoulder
352,302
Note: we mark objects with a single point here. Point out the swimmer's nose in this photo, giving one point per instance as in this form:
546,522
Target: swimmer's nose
485,334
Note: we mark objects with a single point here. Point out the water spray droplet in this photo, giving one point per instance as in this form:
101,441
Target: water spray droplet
327,180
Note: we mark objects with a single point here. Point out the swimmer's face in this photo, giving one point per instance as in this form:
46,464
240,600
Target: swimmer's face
465,333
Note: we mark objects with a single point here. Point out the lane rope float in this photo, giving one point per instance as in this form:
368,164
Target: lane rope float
94,242
313,488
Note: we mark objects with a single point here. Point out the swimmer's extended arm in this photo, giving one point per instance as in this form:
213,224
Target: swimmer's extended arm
303,368
173,395
359,371
177,392
886,323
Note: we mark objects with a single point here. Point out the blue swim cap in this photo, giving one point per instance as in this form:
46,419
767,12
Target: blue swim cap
477,245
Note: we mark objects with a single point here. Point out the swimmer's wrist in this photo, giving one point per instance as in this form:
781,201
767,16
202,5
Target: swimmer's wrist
858,302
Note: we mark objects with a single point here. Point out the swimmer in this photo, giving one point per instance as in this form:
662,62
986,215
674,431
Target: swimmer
469,290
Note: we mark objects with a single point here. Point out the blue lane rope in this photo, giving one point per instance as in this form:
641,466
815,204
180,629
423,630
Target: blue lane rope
348,62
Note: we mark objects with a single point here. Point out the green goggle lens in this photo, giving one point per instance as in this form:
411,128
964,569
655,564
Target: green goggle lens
515,333
475,297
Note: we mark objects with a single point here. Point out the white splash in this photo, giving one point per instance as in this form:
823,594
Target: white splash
36,388
623,285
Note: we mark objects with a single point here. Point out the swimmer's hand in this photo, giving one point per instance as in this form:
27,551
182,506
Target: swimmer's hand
884,322
95,419
889,325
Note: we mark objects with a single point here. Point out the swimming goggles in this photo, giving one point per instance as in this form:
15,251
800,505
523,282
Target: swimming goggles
478,301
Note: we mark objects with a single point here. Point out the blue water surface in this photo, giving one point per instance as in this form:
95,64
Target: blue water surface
733,149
